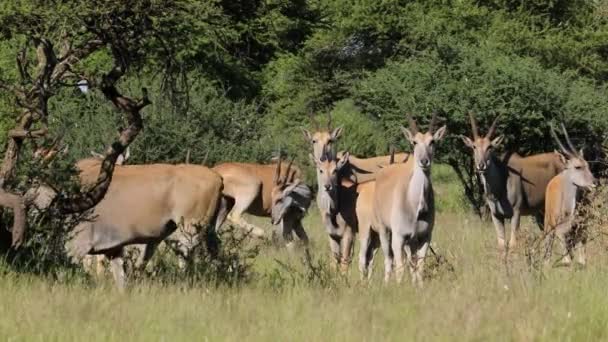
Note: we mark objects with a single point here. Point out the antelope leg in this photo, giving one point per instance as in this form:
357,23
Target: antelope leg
514,229
386,251
397,245
287,232
334,246
248,227
364,244
419,266
118,269
300,232
562,231
346,251
499,225
145,254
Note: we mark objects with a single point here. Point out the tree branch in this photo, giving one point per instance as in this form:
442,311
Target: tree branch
131,108
22,133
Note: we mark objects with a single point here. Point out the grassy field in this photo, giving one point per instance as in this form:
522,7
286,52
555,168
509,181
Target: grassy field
481,299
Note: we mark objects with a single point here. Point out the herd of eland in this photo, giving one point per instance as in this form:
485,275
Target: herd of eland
385,201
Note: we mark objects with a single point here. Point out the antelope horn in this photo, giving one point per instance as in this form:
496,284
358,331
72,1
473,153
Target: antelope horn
493,127
413,126
473,125
313,120
329,121
285,180
392,159
572,148
433,122
559,143
277,174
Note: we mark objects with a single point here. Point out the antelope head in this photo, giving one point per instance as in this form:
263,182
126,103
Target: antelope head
323,140
482,146
281,192
577,169
328,171
423,143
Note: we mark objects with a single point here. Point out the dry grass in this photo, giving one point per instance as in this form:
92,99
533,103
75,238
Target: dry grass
478,301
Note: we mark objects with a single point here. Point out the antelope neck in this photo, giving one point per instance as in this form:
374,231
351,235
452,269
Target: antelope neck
494,179
327,201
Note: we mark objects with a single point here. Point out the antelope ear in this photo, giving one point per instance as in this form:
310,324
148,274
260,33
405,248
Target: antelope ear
335,134
581,152
343,160
408,135
498,140
562,157
440,133
467,141
307,134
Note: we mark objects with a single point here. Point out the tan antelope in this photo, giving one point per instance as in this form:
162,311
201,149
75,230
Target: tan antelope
352,205
561,197
513,185
266,191
404,204
93,264
358,170
145,204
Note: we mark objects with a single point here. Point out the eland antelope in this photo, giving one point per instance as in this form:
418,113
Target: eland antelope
513,185
349,210
266,191
404,204
145,204
561,197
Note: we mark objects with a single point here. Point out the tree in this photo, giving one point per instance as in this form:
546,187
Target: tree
57,47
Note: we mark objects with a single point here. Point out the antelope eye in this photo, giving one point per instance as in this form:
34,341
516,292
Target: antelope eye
320,171
579,167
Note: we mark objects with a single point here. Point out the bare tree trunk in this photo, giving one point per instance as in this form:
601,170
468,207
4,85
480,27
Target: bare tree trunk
16,203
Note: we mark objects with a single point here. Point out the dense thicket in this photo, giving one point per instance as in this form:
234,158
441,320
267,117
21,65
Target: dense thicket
234,80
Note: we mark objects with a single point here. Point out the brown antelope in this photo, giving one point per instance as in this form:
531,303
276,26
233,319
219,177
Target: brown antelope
349,207
404,204
561,197
266,191
513,185
359,170
145,204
